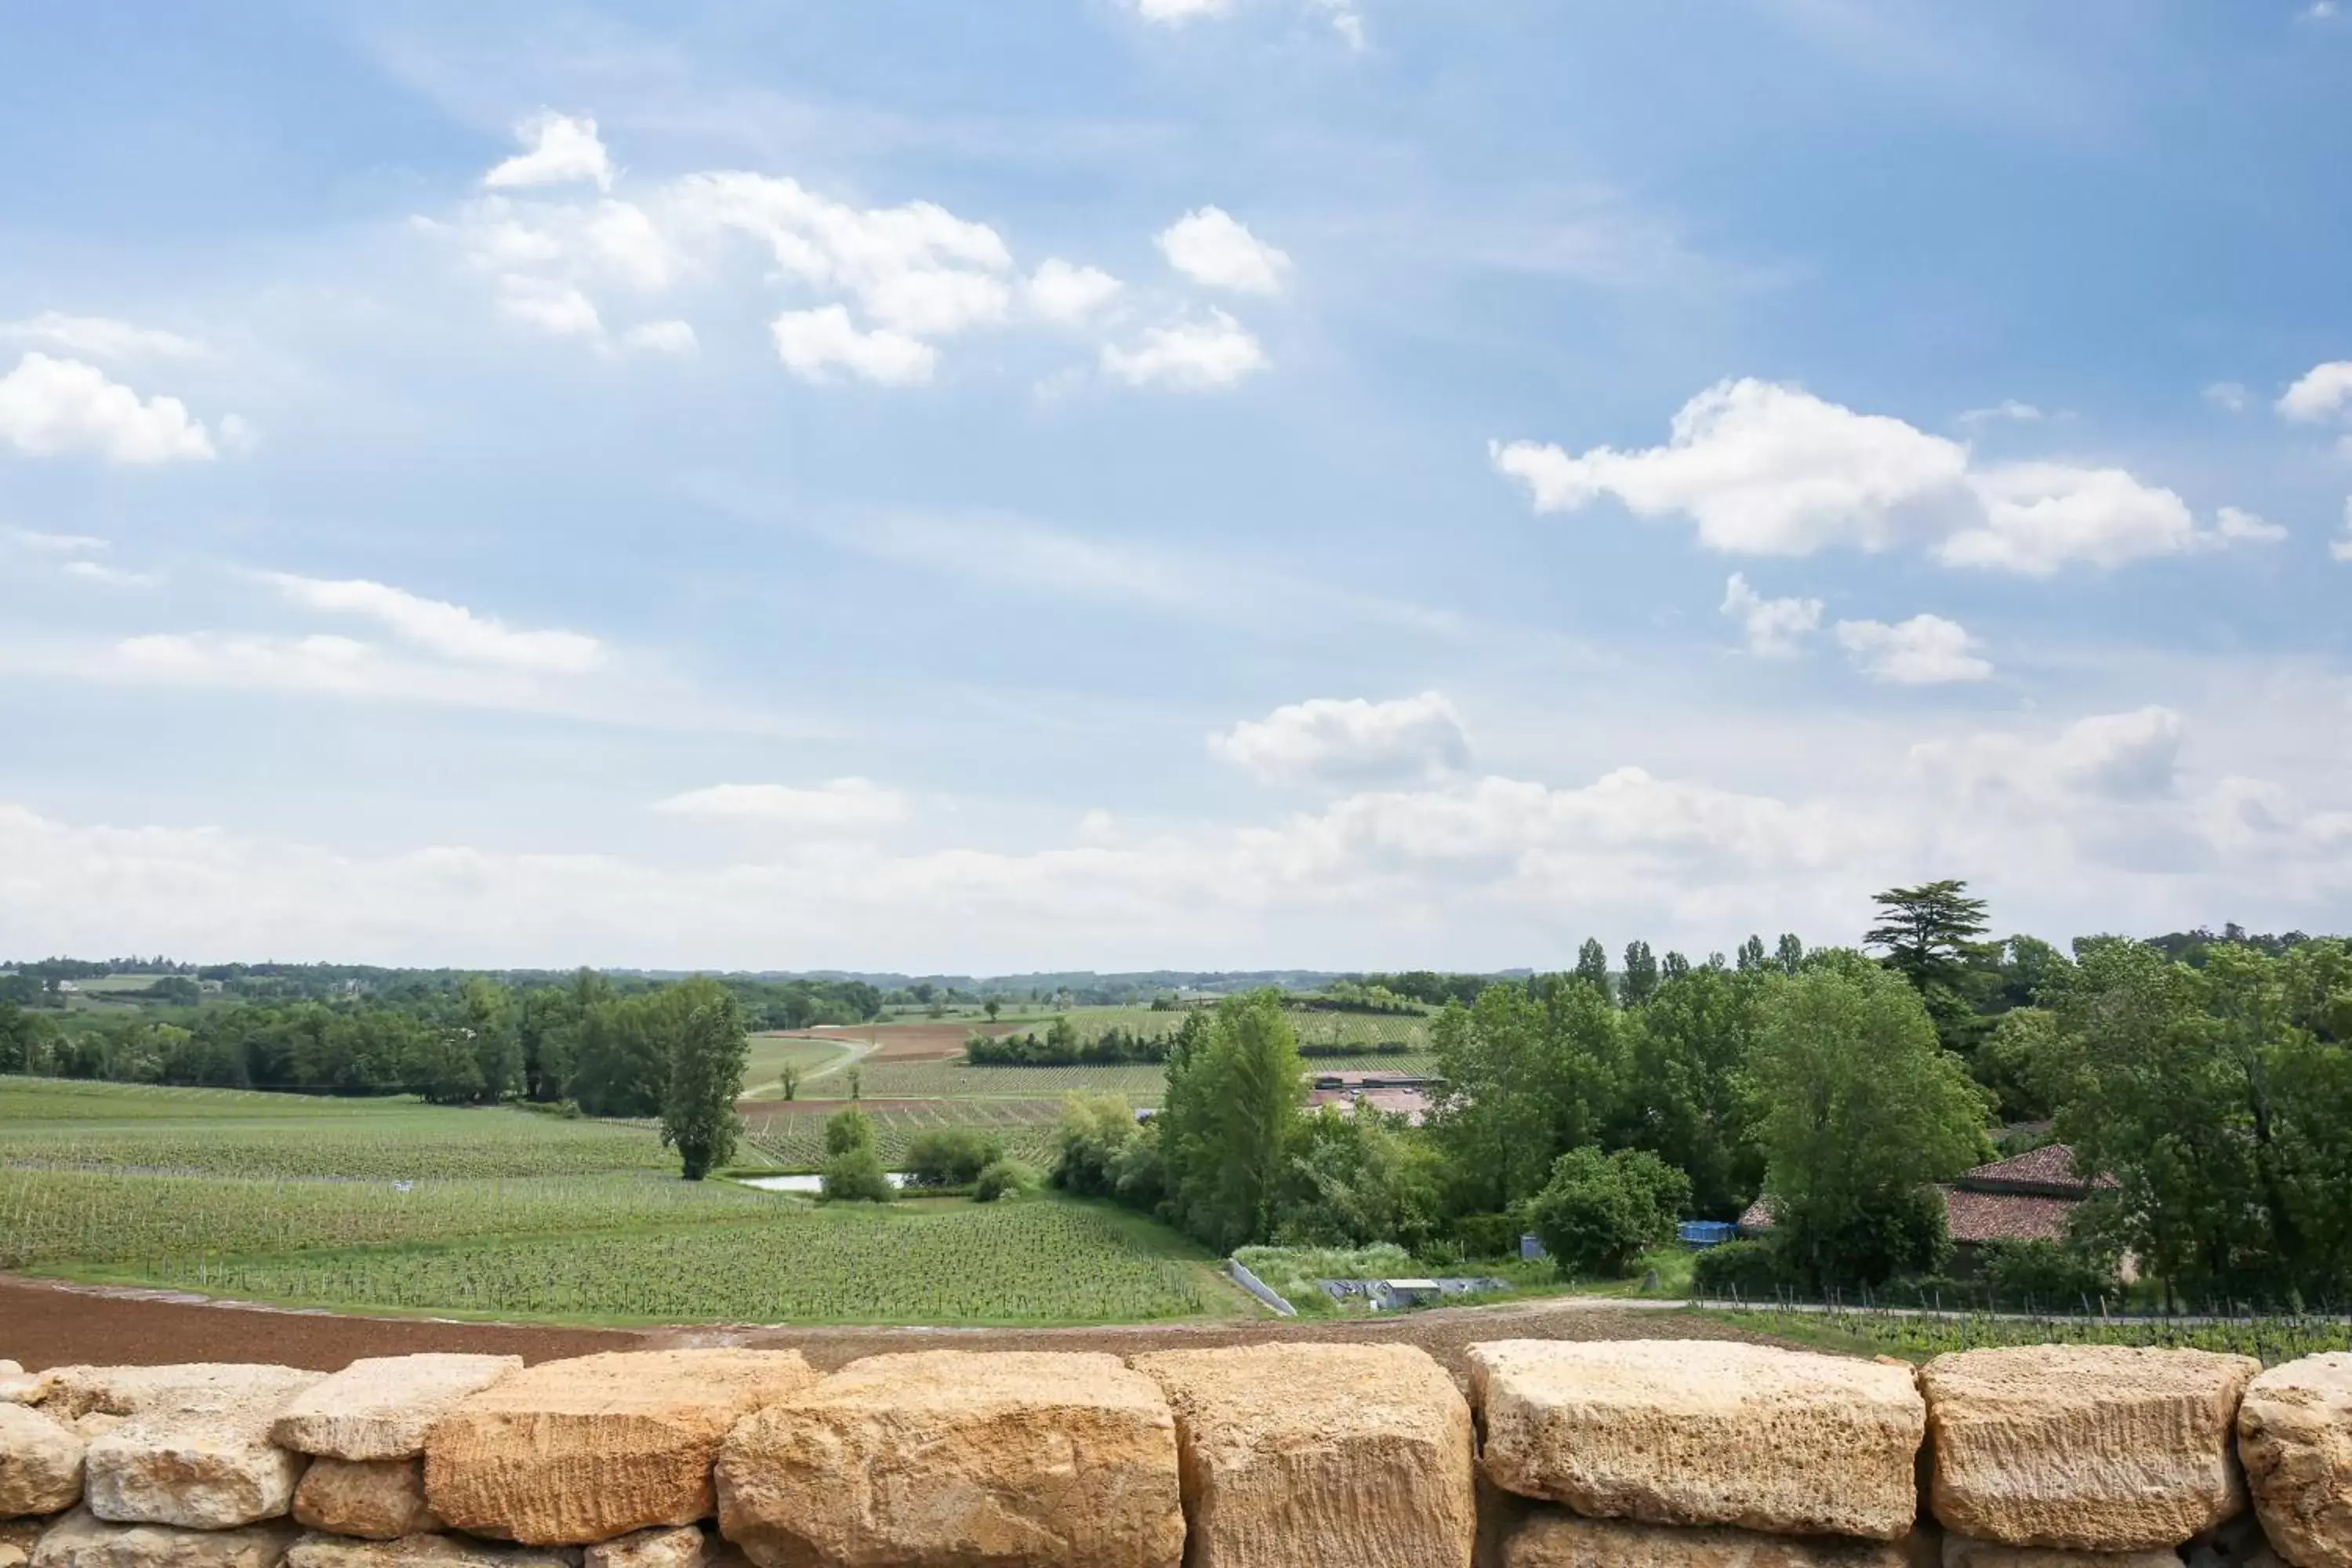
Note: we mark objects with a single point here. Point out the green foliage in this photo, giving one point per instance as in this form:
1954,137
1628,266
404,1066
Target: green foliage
1600,1212
707,1053
1860,1108
2043,1274
1592,966
1641,974
951,1156
1101,1151
1681,1100
1528,1080
1004,1179
847,1131
1234,1088
1357,1179
1291,1272
1486,1235
856,1175
1748,1271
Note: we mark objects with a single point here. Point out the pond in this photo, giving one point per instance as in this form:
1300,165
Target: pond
804,1183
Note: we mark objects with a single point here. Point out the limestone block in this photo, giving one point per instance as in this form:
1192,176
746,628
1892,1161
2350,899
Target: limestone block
381,1408
380,1499
11,1368
81,1540
17,1537
40,1463
1319,1456
572,1452
682,1547
2088,1447
1020,1460
1964,1552
194,1450
1695,1432
1546,1538
2294,1434
317,1550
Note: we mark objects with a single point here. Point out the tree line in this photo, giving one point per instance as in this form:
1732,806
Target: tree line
1597,1106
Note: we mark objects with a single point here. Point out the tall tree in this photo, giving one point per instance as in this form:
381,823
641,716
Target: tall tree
1226,1121
1675,965
708,1053
1683,1099
1592,965
1641,974
1751,955
1862,1109
1527,1079
1790,954
1930,931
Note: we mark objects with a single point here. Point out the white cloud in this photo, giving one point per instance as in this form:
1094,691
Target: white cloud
1212,351
1170,11
237,433
54,543
661,337
2229,396
2323,391
1349,741
452,631
1063,292
1926,650
561,150
844,804
1775,629
53,406
812,344
1346,20
2106,758
1211,247
555,307
108,576
103,336
625,237
2234,525
2007,408
1768,470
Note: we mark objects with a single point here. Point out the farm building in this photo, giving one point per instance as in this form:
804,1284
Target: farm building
1399,1094
2027,1198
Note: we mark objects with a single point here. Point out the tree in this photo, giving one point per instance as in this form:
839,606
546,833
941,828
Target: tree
951,1156
489,1025
847,1130
1592,966
708,1052
1928,931
622,1065
851,1172
788,1081
1751,955
1685,1054
1527,1080
992,1007
1675,965
1600,1212
1861,1110
1357,1179
1232,1098
1790,954
1641,974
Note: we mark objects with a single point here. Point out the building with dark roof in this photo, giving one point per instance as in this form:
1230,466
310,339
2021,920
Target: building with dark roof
2026,1197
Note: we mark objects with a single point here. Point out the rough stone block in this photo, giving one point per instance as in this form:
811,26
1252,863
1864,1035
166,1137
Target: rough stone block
573,1452
194,1449
82,1541
18,1538
1314,1456
381,1408
1965,1552
1548,1539
316,1551
2086,1447
40,1463
2295,1436
380,1499
1692,1432
1013,1461
682,1547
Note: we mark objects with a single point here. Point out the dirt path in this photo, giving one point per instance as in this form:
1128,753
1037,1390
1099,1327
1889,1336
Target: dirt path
44,1324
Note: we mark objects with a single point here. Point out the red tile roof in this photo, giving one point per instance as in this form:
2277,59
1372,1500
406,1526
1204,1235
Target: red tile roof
2005,1216
2047,1172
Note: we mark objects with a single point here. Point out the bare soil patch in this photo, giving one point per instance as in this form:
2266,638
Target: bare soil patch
909,1042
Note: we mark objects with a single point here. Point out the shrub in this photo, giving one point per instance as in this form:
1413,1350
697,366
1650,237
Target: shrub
1004,1179
846,1131
951,1156
1600,1212
1750,1268
857,1176
2043,1273
1487,1234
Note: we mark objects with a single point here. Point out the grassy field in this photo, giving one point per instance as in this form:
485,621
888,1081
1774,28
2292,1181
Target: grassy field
793,1139
942,1261
396,1205
771,1054
1915,1337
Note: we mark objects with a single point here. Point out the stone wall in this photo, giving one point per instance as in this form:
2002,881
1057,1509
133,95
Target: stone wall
1683,1454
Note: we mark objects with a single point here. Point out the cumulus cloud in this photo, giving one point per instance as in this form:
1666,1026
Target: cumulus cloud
1349,741
660,337
1063,292
1926,650
1775,629
451,631
557,309
2105,758
2234,525
843,804
559,150
1770,469
814,344
2229,397
1197,356
1180,10
1213,247
2007,408
2322,392
52,407
103,336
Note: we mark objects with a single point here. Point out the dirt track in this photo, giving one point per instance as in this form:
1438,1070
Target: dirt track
46,1325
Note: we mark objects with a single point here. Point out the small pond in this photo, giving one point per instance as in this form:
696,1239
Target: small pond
804,1183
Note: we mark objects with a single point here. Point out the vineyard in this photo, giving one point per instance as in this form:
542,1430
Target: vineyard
1142,1084
1040,1262
1916,1335
793,1137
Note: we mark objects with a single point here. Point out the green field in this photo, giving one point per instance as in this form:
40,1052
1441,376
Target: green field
1143,1083
794,1140
771,1054
1918,1336
394,1206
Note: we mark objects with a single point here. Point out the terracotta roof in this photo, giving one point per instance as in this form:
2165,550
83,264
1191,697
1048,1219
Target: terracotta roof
1757,1216
2005,1216
2047,1172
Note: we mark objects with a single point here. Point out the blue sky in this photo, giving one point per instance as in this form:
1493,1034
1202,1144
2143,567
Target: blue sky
1124,483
